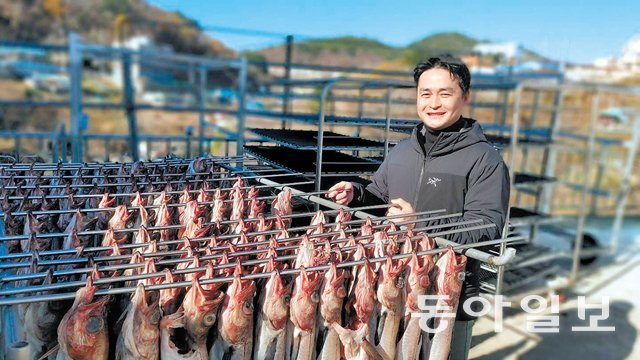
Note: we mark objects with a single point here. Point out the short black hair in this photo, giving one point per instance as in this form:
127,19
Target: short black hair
448,62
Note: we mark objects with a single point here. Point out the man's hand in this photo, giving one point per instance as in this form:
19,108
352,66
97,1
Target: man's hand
400,206
341,193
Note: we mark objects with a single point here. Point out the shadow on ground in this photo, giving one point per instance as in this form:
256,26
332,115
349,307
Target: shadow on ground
569,344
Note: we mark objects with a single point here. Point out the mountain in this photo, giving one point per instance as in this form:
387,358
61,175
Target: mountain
449,42
103,22
369,53
365,52
339,51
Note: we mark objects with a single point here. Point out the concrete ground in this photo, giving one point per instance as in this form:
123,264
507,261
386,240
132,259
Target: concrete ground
615,276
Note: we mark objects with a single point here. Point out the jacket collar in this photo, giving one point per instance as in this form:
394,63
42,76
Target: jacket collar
448,142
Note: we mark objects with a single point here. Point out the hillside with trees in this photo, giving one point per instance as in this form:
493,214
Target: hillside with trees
104,22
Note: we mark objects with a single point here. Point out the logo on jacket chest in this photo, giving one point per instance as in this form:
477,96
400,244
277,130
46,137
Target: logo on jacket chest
433,181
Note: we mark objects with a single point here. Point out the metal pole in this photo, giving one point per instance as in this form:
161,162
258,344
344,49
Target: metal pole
603,154
75,95
287,77
551,153
512,162
577,250
129,105
626,184
12,344
387,114
360,108
242,92
202,85
323,97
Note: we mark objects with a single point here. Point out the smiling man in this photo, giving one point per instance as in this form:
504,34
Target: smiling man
447,164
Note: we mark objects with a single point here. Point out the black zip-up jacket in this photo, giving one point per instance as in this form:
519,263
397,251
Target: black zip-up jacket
460,172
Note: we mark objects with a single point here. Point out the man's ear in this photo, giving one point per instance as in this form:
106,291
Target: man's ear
466,97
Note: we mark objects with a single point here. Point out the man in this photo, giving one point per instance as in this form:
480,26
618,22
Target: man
445,164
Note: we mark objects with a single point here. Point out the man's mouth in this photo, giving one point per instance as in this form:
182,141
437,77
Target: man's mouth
436,113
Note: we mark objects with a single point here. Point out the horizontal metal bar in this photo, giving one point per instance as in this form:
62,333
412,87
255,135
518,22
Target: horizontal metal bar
114,165
94,185
128,176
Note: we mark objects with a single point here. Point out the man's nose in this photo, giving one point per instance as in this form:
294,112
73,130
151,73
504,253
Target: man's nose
434,102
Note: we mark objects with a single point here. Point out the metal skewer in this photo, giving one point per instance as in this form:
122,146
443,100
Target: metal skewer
128,176
153,183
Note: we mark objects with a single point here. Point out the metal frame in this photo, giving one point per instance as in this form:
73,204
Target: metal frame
266,180
77,50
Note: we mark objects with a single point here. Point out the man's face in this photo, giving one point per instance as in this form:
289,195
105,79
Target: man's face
439,99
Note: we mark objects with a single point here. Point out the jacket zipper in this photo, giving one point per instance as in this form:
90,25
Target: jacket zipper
415,198
422,169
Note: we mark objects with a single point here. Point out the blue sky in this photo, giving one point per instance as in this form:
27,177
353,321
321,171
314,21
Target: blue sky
575,31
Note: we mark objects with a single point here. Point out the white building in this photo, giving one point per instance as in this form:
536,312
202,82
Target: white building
631,54
137,43
509,50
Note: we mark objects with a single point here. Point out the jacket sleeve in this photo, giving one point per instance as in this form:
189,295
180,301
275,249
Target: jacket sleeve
377,192
487,199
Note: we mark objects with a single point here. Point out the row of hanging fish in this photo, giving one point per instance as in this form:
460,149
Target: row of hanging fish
242,300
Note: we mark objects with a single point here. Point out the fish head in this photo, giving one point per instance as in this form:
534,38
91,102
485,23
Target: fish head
239,307
120,217
426,243
32,225
256,208
333,294
200,307
365,292
450,274
82,333
147,314
152,248
164,216
407,246
277,300
253,192
136,258
150,268
343,216
391,284
137,199
142,237
203,196
224,260
305,252
169,297
239,183
280,223
72,241
185,197
367,228
219,195
305,299
418,280
143,216
319,218
263,224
